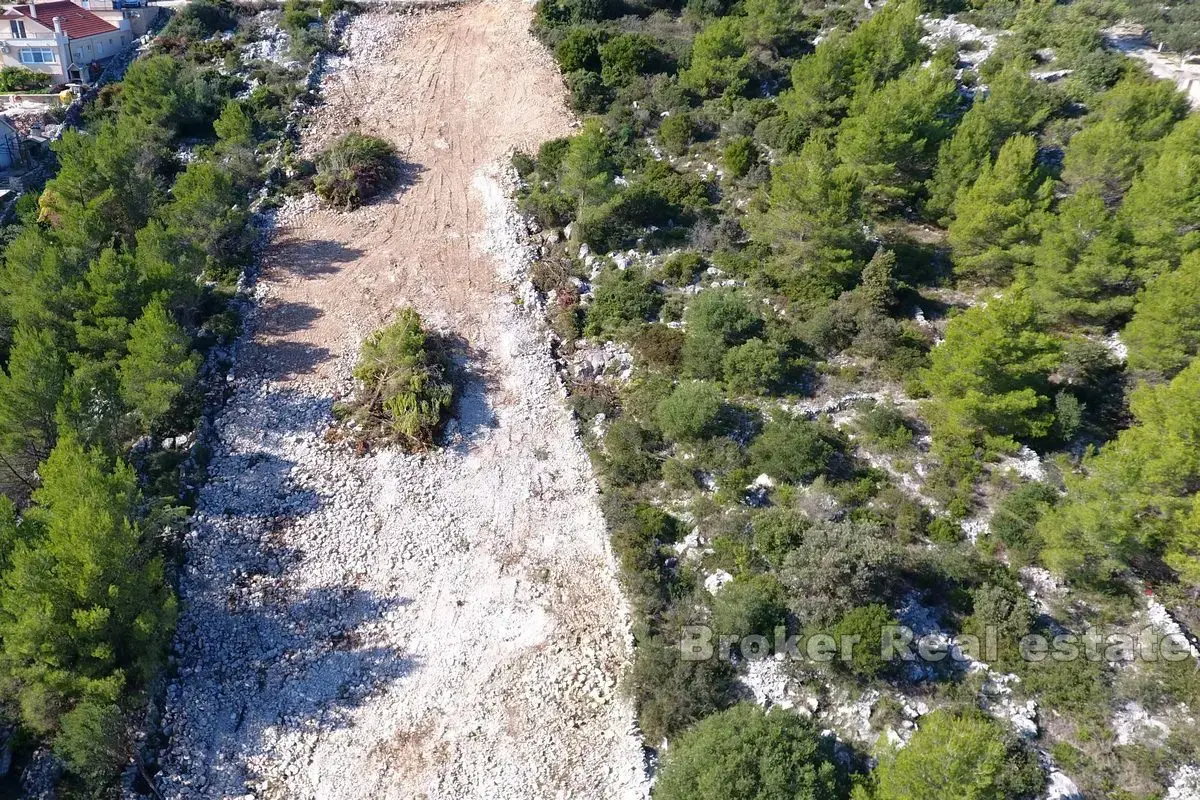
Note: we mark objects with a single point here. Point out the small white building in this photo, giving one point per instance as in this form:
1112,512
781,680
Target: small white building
60,39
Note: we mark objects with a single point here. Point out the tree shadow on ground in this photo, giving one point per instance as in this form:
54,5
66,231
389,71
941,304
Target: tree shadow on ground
472,414
307,258
279,317
264,649
281,359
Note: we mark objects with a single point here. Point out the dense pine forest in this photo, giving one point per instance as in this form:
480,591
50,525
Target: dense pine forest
117,308
882,315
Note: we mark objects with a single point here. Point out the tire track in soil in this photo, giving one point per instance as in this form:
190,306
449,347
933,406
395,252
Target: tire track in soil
393,626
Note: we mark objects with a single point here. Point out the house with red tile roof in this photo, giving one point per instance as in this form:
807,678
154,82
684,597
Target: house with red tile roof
60,39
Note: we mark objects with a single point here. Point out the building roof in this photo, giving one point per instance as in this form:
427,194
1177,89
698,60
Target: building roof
76,22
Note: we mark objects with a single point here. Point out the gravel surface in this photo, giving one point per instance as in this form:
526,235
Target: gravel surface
399,626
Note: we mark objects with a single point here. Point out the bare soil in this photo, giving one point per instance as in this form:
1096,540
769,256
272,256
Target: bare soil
400,626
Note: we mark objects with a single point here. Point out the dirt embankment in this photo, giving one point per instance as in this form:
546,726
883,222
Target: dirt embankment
397,626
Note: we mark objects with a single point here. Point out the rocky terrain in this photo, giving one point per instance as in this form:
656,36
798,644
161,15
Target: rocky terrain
391,625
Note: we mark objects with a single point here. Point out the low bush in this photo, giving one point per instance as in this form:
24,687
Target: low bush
740,156
681,268
1015,520
792,450
579,49
589,95
672,692
884,424
200,20
608,226
627,56
866,625
754,605
405,392
755,367
627,460
691,412
837,567
354,169
622,297
676,133
743,753
19,79
660,346
777,531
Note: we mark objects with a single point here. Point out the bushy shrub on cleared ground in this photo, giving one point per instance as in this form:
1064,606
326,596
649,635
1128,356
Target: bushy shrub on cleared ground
405,390
353,170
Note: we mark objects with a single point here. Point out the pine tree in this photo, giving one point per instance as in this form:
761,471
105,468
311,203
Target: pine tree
29,392
204,214
999,217
989,379
1163,203
1081,266
878,287
813,222
1014,103
83,609
1121,133
891,137
872,54
1164,334
115,299
718,58
1135,501
160,366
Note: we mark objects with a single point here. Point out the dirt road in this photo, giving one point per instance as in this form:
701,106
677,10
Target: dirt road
397,626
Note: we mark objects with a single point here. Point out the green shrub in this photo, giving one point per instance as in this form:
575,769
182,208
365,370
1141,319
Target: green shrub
673,693
523,163
676,133
740,156
958,756
610,225
865,626
589,95
579,49
200,20
622,297
716,320
750,605
354,169
777,531
743,753
93,740
637,538
555,13
19,79
837,567
550,156
691,412
681,268
405,392
884,424
627,461
755,367
627,56
792,450
943,531
1016,517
